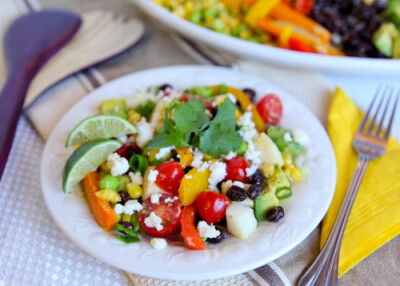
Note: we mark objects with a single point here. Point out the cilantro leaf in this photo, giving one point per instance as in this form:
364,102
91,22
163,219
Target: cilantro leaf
221,137
146,109
190,116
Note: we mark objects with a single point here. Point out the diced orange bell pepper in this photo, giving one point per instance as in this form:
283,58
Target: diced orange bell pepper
189,232
185,156
101,209
259,10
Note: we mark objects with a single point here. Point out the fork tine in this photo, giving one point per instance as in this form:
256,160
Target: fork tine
387,133
378,131
372,124
366,116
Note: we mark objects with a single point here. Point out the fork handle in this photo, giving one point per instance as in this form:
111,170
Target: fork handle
324,269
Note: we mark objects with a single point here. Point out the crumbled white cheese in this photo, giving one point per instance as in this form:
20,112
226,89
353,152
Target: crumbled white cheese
252,154
287,137
131,206
206,230
153,221
188,176
197,158
218,173
230,155
247,127
164,152
122,138
238,184
117,164
153,175
155,198
300,137
158,243
208,112
118,209
232,97
170,200
136,177
203,167
245,120
145,132
251,170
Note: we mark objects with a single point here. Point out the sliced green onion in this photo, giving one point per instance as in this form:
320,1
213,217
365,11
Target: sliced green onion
129,236
135,222
283,192
138,163
155,162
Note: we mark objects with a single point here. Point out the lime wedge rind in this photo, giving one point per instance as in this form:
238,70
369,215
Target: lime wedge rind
101,126
85,159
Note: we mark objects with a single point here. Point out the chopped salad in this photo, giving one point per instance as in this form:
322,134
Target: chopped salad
359,28
200,164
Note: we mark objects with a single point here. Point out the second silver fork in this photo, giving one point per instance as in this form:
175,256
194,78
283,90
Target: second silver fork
370,142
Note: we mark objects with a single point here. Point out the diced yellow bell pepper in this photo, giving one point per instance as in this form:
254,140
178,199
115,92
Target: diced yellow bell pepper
185,156
192,184
259,10
246,105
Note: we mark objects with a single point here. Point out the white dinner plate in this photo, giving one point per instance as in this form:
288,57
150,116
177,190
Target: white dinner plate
268,54
303,211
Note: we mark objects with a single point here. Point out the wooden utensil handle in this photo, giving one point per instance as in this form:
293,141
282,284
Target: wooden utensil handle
11,100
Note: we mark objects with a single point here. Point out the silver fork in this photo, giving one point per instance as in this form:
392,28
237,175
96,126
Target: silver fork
370,141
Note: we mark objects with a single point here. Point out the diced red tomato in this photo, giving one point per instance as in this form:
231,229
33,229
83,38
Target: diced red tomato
169,213
270,109
236,169
169,176
187,96
189,232
212,206
304,6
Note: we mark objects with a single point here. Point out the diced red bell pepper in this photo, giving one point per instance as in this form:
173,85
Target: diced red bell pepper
189,232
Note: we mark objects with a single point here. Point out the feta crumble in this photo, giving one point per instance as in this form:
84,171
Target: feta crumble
170,200
287,137
118,209
155,198
203,167
122,138
252,154
218,173
145,132
164,152
131,206
153,221
230,155
117,164
197,158
251,170
300,136
153,175
136,177
158,243
238,184
206,230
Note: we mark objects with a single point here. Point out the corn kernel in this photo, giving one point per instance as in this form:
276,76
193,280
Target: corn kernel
287,160
152,154
126,217
134,190
295,174
268,169
109,195
133,117
104,167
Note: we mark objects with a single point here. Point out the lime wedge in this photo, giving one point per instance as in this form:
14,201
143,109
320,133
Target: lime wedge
100,126
85,159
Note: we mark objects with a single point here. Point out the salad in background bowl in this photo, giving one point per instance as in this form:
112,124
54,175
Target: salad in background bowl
242,248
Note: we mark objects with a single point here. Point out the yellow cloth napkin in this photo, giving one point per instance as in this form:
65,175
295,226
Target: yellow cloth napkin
375,217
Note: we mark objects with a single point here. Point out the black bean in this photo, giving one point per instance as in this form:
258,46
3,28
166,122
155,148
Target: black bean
254,191
165,86
275,214
174,155
251,93
214,111
257,177
236,193
187,169
124,197
219,238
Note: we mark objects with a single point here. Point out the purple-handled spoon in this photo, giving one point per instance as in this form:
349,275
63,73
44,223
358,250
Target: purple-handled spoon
29,42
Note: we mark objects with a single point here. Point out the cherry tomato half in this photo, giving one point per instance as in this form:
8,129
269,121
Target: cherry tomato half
236,169
187,96
270,109
169,176
212,206
169,212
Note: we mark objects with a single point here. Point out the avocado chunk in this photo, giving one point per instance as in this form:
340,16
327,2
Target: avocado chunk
114,106
383,38
268,199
